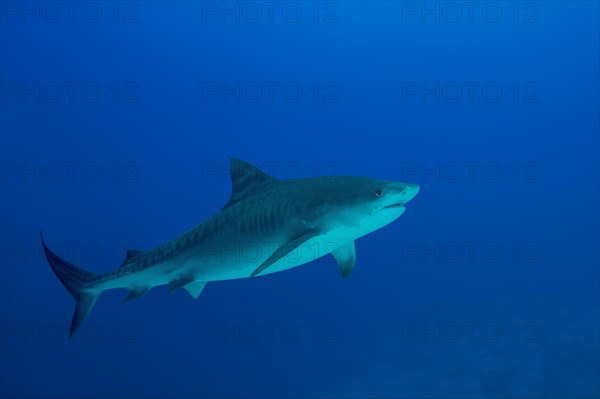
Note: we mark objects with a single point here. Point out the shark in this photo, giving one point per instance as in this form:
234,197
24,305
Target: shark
268,225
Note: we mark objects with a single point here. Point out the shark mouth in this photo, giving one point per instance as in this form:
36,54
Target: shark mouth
397,205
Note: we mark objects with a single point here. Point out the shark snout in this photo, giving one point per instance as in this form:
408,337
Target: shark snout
409,191
403,192
400,194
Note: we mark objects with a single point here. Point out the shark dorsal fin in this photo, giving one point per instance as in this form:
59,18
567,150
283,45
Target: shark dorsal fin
246,179
131,253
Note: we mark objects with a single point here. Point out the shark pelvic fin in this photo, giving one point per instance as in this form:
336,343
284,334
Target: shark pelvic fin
136,293
345,256
245,180
174,285
284,250
195,288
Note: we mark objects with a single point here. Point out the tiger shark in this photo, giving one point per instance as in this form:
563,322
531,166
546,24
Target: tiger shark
268,225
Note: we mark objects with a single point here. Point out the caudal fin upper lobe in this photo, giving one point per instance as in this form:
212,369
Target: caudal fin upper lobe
77,281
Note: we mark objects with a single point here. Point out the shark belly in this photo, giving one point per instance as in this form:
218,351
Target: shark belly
226,257
240,260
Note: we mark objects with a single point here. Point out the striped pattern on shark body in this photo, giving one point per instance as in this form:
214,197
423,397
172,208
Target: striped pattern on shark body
261,211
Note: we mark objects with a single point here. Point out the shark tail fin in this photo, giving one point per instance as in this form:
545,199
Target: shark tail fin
75,280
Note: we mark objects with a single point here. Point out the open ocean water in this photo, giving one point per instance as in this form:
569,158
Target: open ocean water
118,120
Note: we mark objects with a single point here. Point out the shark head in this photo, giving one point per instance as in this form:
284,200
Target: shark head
360,205
345,206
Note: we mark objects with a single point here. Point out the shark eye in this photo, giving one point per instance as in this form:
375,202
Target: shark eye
379,193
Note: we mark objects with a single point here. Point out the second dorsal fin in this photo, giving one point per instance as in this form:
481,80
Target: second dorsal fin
246,179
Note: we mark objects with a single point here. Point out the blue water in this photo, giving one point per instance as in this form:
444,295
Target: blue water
117,124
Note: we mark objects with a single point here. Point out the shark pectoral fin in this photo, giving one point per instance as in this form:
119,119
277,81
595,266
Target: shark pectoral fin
174,285
284,250
345,256
195,288
136,293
